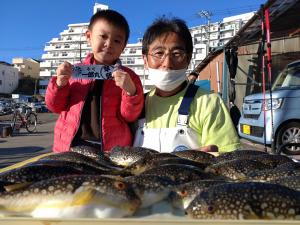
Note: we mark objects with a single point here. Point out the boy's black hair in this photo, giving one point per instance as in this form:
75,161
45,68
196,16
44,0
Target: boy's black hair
112,17
163,25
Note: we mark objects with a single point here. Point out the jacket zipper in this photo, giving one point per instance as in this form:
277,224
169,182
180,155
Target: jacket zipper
100,116
78,124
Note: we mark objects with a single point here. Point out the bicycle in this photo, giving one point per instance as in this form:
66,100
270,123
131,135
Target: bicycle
23,115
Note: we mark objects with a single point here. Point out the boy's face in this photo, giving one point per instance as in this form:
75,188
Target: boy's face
107,41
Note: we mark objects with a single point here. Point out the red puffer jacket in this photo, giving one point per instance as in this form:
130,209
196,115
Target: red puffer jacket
117,109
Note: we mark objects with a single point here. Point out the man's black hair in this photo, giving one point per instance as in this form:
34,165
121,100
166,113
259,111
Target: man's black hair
163,25
113,17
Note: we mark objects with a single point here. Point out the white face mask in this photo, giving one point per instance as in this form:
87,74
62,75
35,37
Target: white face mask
167,80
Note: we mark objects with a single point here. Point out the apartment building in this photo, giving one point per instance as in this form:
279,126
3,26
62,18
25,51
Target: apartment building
27,67
9,78
72,46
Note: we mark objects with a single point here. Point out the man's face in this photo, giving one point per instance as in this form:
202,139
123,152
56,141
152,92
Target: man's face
167,52
107,41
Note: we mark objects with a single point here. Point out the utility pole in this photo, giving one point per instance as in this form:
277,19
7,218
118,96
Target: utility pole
206,14
80,43
80,49
35,87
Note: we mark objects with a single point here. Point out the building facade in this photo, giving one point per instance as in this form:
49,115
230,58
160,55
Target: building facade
72,46
27,67
9,78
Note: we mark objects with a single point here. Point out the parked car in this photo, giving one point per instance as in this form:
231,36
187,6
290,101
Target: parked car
39,107
5,106
285,108
36,106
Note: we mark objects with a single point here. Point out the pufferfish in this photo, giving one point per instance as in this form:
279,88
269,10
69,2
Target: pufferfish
249,200
76,196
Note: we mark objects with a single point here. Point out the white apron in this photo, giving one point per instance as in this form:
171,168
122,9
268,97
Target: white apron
178,138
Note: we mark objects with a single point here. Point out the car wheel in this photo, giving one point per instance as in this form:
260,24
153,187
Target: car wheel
289,133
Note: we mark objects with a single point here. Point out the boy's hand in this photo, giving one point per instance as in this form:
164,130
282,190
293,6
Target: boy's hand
124,81
63,72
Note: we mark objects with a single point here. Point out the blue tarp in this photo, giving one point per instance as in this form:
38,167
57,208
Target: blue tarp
204,84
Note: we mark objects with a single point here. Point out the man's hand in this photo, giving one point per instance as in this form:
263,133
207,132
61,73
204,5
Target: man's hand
63,72
124,81
192,77
209,148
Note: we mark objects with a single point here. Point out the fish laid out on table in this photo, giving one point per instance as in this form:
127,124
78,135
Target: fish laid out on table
158,160
182,195
72,196
137,182
246,201
150,188
126,156
236,169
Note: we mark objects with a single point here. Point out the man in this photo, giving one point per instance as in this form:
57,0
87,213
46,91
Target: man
179,116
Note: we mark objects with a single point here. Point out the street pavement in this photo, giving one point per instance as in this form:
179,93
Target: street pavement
23,145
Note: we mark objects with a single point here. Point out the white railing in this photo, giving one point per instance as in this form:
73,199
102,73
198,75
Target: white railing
45,73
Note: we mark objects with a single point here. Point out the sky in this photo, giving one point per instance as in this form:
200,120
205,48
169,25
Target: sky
27,25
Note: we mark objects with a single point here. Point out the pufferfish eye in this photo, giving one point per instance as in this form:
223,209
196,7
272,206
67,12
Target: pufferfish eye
210,209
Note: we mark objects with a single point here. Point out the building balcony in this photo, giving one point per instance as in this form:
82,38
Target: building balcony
47,56
74,39
226,37
199,56
74,31
56,40
132,62
131,53
214,38
45,73
226,28
45,64
199,45
86,47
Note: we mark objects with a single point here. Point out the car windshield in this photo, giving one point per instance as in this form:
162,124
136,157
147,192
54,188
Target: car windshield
288,78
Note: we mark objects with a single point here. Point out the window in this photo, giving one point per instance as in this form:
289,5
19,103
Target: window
3,72
58,46
199,50
67,46
69,38
64,54
130,61
0,82
132,51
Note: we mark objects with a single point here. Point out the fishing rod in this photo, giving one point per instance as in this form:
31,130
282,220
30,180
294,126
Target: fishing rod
269,63
262,52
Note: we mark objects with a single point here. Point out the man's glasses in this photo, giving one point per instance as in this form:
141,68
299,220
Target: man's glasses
177,56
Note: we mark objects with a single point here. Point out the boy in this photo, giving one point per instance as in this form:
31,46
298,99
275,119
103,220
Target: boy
97,112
